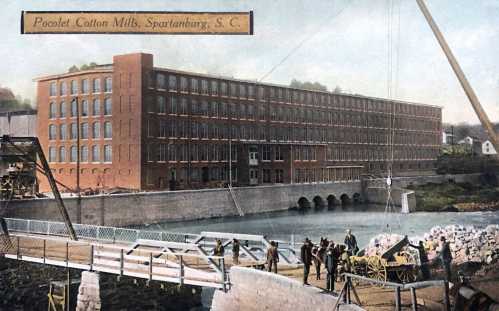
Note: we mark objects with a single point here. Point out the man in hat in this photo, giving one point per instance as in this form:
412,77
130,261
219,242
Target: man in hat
351,243
235,251
446,258
306,258
272,257
331,264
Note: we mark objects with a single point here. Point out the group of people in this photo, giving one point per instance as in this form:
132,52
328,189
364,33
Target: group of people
333,255
330,255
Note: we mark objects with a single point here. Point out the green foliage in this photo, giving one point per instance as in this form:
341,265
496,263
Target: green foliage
15,104
75,68
307,85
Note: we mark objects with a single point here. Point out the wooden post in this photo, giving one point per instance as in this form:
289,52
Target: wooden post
44,250
150,266
122,263
222,267
91,256
18,252
398,304
181,272
67,253
336,305
414,299
348,283
446,296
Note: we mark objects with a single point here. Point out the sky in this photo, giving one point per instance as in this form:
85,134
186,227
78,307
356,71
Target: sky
350,49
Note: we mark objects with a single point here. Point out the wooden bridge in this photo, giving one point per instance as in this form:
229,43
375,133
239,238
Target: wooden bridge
160,256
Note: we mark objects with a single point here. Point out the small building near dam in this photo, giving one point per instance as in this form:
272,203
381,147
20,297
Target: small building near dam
148,128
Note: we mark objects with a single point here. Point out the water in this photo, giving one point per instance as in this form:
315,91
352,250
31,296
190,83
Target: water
365,222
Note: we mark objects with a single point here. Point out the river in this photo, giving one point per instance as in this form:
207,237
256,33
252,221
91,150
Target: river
364,220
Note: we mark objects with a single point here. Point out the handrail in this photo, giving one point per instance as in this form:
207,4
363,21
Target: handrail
402,286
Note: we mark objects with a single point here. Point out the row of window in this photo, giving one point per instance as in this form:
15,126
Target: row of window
208,130
61,110
184,106
380,153
60,154
193,153
174,82
95,131
195,175
82,85
311,175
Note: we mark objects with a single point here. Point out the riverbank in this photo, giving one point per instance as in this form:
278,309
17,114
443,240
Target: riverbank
24,286
456,197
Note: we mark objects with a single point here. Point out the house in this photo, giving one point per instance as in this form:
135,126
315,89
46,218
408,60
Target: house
447,138
488,148
472,144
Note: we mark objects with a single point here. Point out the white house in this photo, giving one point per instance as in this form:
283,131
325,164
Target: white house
488,148
446,138
473,144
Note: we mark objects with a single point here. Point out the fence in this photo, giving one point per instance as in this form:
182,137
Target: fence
93,232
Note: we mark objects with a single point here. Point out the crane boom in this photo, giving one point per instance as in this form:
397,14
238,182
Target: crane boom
482,116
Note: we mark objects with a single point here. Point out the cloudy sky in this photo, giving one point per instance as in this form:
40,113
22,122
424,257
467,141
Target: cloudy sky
350,50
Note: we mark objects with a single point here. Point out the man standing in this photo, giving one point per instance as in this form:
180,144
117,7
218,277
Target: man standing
423,260
351,243
272,257
235,251
306,258
446,258
331,263
219,249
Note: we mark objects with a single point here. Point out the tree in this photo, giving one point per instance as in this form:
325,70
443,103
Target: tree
337,89
73,68
307,85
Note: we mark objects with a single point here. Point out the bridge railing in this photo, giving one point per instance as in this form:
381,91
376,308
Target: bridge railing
94,232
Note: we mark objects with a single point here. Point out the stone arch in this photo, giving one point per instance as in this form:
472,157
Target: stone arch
331,201
345,199
318,202
356,198
303,203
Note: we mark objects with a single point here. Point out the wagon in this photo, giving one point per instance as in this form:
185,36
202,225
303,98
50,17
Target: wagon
395,264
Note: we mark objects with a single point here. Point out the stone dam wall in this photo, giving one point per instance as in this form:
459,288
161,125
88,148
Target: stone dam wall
151,207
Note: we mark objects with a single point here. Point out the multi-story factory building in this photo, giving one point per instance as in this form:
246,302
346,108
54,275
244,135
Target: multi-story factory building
147,128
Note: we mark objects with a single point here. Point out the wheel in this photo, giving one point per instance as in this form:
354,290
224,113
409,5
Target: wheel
376,269
407,274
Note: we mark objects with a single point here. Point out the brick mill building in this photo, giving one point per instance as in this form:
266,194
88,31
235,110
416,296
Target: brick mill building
149,128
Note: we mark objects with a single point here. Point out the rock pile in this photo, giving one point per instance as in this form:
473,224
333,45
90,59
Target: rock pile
468,244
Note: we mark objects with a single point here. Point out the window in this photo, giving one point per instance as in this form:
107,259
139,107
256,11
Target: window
172,82
95,153
194,85
62,154
52,154
173,105
108,130
279,176
184,107
108,104
96,107
74,108
84,108
63,89
72,154
84,131
84,154
214,87
96,130
266,176
278,153
52,110
233,89
52,132
204,87
266,153
63,132
84,86
242,90
74,131
184,85
108,84
96,87
223,88
74,87
62,110
161,104
108,153
52,89
160,81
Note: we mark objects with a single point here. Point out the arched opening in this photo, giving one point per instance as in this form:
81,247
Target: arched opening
345,200
331,202
357,199
318,203
303,203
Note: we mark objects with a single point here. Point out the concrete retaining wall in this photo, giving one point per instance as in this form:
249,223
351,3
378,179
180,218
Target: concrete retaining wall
151,207
255,290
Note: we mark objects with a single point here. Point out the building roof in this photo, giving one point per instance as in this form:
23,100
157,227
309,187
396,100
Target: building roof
97,69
